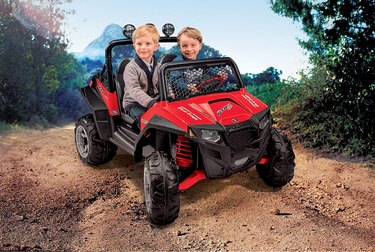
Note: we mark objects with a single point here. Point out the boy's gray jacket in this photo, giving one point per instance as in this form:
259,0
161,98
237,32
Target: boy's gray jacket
135,90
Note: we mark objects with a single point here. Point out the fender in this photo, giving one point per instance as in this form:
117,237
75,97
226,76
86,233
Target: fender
103,121
156,123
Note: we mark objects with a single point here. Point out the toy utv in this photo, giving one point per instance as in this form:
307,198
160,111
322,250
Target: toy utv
210,131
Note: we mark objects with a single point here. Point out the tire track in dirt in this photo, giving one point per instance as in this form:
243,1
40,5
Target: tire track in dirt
50,200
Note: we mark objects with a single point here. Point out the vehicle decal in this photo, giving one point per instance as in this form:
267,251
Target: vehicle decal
110,99
229,106
101,90
203,112
251,101
188,112
144,121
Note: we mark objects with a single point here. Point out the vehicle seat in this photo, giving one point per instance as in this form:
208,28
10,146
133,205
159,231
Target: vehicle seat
120,85
167,58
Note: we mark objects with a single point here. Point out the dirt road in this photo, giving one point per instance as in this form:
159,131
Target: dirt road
49,200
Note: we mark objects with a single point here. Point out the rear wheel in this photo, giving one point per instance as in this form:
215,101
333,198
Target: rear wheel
279,170
91,149
162,196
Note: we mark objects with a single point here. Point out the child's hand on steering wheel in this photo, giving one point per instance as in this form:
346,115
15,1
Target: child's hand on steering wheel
223,75
192,87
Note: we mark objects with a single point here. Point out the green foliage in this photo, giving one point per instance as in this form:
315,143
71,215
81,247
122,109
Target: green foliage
205,53
34,66
319,124
270,94
268,87
50,79
4,126
270,75
339,111
208,52
92,65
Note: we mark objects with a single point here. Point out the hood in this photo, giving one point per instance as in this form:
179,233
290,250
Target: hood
225,109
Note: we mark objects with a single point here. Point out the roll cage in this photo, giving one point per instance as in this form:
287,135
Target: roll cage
108,57
110,73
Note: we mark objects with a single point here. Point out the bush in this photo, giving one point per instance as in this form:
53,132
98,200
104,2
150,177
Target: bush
320,121
277,94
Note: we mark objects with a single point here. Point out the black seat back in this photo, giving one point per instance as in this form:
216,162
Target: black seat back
120,84
167,58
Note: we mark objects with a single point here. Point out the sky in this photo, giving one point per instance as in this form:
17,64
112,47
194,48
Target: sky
248,31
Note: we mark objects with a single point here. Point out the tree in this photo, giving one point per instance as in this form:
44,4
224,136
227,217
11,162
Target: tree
341,38
34,65
14,86
208,52
43,17
270,76
205,52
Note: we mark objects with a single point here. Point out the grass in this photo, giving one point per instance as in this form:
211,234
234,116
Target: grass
4,127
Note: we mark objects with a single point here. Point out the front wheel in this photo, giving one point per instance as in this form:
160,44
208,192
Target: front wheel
91,149
162,196
279,170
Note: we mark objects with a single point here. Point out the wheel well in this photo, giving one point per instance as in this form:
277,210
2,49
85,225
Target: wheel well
153,140
161,140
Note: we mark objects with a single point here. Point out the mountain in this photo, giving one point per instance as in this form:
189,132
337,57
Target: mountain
95,50
92,57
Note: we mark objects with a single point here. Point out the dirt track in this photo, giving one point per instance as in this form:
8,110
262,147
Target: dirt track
49,200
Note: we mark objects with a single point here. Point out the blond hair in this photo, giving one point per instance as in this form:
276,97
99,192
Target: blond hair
191,33
146,29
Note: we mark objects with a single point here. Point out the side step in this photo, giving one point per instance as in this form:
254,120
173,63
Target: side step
125,137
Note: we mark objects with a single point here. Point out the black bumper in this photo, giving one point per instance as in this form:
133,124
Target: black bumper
241,149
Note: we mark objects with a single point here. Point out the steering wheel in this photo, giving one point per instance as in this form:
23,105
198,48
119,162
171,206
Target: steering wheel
220,80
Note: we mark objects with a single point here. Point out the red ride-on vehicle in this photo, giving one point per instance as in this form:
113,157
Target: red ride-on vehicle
205,126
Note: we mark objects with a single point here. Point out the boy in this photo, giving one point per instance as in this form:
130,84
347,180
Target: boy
141,74
189,41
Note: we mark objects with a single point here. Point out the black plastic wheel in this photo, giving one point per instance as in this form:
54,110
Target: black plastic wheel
91,149
280,168
162,196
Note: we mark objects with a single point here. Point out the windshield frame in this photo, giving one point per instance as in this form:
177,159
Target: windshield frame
180,65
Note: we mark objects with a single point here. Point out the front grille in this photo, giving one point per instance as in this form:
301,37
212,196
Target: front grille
241,135
238,126
238,140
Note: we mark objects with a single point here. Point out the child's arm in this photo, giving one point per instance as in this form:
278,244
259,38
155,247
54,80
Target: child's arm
132,78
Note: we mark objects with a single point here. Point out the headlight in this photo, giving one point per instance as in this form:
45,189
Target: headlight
210,135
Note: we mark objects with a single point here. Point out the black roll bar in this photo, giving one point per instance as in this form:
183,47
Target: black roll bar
118,42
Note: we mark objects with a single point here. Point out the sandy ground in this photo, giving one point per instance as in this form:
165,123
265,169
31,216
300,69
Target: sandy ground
50,200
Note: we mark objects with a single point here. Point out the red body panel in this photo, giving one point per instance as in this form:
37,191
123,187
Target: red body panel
263,160
110,99
194,178
225,108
